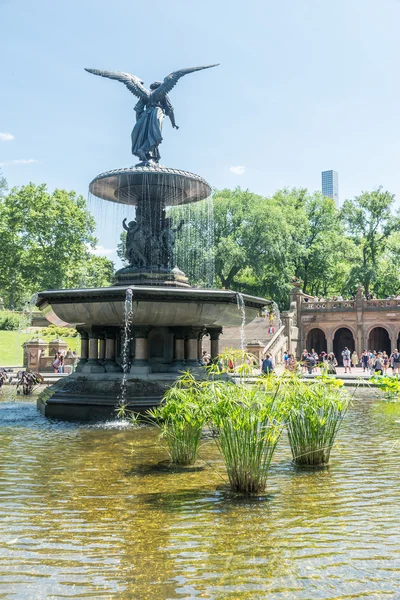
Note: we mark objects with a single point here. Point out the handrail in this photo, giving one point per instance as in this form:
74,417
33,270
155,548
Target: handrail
274,338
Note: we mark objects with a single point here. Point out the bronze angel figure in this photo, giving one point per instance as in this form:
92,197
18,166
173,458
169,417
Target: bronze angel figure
151,109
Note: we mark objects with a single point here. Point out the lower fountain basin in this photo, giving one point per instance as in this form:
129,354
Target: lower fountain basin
155,306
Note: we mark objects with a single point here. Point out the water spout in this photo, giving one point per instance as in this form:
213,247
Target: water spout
126,347
242,307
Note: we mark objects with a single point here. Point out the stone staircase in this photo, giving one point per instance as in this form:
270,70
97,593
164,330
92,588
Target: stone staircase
256,330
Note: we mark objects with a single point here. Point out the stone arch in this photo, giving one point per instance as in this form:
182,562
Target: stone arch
316,338
379,339
343,337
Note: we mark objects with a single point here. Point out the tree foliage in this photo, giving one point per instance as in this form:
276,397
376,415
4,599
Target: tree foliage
370,222
261,244
45,241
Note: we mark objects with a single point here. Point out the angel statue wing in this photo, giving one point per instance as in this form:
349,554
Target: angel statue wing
133,83
172,79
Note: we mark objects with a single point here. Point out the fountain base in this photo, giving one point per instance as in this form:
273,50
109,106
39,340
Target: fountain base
86,397
158,277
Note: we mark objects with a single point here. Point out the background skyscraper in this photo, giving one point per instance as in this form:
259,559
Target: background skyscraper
330,185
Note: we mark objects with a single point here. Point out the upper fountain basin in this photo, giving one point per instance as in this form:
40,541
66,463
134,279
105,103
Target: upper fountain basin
154,306
170,186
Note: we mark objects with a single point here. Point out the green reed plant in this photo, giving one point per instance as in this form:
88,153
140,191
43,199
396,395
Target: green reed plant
315,411
234,361
390,386
181,417
247,423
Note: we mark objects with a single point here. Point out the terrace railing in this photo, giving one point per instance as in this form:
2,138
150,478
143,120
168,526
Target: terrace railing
329,306
350,305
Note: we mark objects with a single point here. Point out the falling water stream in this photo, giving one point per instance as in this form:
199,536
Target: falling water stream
126,346
242,308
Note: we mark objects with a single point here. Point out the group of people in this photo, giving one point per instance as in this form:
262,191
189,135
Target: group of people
59,358
370,361
380,362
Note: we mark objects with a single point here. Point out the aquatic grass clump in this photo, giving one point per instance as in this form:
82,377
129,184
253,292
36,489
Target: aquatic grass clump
247,424
315,412
390,386
181,417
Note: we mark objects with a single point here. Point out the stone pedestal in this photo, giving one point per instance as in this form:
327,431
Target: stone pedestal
256,347
57,345
32,353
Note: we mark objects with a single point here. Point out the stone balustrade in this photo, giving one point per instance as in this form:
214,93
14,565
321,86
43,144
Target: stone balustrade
348,305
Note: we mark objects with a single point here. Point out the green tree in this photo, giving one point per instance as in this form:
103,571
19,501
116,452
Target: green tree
3,185
318,245
369,222
45,240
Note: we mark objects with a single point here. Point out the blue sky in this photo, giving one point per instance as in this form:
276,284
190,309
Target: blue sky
302,86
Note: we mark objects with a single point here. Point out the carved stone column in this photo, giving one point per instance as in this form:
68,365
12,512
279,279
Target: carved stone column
109,364
192,336
84,353
140,364
214,337
102,347
179,350
93,365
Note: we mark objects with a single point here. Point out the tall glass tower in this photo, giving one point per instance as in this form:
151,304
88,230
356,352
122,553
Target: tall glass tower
330,185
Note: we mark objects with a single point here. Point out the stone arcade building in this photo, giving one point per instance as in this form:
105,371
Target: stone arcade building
330,326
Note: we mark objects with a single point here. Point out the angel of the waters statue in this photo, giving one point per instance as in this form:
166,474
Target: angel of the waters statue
151,109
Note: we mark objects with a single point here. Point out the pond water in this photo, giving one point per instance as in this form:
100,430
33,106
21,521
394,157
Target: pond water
92,512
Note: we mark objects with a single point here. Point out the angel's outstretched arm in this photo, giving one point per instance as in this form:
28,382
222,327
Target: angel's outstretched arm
169,111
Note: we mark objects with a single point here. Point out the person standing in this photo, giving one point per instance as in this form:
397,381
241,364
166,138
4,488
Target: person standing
354,359
303,359
332,364
57,362
364,361
385,362
267,365
378,364
346,359
396,362
286,359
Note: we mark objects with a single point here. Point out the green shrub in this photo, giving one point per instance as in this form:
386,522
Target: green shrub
53,332
10,321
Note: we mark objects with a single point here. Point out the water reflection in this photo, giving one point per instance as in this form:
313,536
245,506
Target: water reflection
91,511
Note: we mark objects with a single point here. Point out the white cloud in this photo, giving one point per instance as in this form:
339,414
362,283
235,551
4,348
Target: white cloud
19,161
6,137
101,251
237,170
